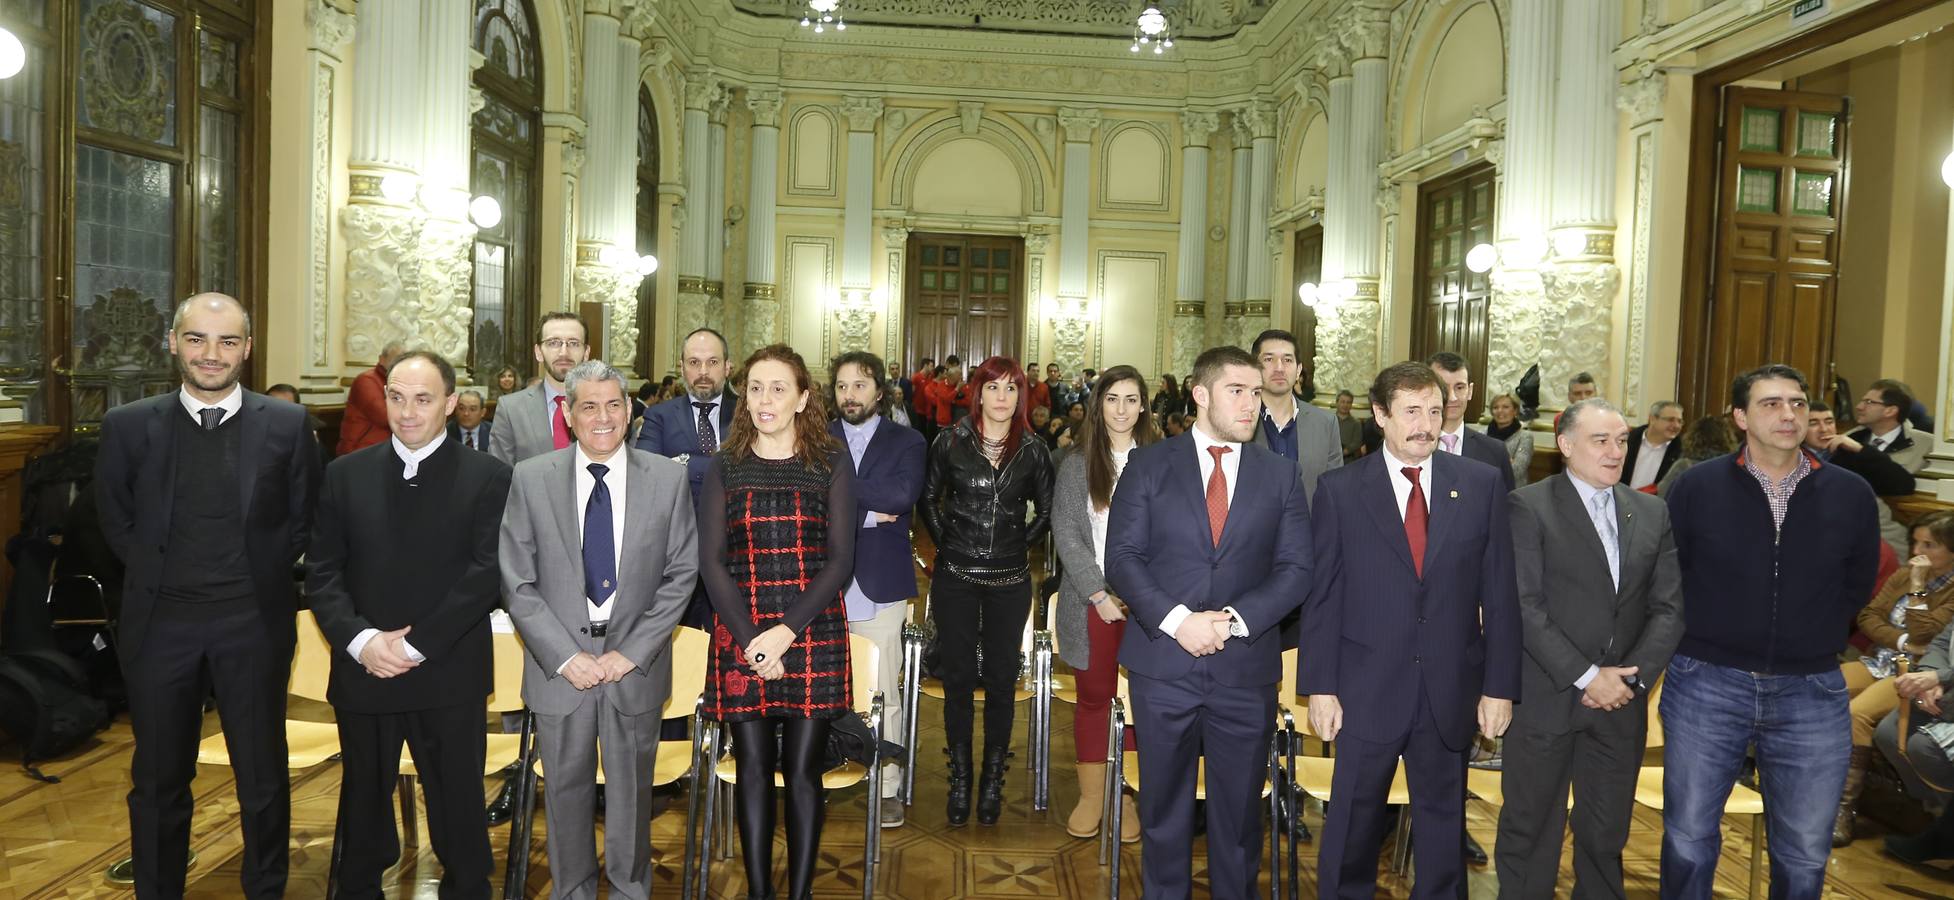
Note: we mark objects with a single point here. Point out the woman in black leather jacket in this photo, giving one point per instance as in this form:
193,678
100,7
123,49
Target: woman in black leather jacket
982,472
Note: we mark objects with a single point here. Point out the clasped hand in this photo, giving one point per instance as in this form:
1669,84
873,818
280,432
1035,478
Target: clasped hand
764,654
1923,688
585,671
1607,691
384,656
1203,633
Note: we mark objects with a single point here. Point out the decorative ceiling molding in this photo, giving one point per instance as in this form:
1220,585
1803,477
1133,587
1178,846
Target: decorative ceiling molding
1112,18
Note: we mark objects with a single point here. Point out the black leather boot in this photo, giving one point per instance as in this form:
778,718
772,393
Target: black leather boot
957,807
990,790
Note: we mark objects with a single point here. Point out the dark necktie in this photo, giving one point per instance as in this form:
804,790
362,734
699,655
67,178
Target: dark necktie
1217,495
1415,518
708,442
211,416
599,553
468,439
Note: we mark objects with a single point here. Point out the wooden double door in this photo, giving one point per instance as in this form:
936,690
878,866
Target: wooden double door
1453,308
963,297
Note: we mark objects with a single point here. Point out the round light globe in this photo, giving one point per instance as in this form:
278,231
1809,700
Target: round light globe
647,264
13,55
485,211
1481,257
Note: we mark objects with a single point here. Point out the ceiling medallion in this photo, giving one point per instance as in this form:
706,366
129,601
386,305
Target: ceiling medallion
821,14
1151,29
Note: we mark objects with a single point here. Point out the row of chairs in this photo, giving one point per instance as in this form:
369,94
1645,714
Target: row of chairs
314,743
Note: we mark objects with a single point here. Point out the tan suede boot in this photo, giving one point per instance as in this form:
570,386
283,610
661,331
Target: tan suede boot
1129,819
1084,820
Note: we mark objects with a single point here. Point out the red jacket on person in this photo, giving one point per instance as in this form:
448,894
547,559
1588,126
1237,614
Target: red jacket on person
365,423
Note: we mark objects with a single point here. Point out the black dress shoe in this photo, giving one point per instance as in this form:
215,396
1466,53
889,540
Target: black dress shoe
504,804
1475,854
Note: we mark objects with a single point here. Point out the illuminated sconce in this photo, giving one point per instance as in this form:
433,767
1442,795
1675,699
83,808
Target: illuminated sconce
1481,257
1307,292
13,54
485,211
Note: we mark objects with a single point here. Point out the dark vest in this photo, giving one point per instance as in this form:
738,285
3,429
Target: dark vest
206,562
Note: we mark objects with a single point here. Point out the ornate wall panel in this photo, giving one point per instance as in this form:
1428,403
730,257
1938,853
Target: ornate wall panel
811,153
1134,167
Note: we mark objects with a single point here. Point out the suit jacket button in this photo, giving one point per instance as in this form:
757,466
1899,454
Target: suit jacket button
583,629
1421,620
1417,659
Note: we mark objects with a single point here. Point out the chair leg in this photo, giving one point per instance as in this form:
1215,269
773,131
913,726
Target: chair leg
692,800
410,826
1275,834
709,787
1294,791
912,686
338,833
516,874
1042,755
1401,851
1756,856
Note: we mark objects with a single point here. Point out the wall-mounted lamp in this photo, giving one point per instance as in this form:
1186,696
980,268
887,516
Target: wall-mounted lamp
13,54
485,211
1481,257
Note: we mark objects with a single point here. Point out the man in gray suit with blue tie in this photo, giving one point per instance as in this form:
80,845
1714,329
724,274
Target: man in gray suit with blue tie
1600,613
599,553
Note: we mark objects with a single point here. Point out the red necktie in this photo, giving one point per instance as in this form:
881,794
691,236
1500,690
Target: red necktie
1415,517
559,429
1217,495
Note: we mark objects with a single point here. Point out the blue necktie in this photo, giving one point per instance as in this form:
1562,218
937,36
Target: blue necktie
599,554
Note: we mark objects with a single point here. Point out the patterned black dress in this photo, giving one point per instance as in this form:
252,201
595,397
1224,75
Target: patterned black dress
777,546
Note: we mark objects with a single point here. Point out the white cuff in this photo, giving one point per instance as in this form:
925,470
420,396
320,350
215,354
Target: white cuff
1901,644
566,664
1175,617
868,519
1581,683
358,644
1236,626
412,653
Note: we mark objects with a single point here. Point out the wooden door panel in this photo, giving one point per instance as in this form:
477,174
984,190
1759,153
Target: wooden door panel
1451,313
963,296
1780,209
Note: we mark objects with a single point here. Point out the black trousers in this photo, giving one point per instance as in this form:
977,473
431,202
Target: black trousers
191,651
448,745
968,615
1599,754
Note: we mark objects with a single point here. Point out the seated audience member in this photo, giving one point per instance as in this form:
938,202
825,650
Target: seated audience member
1075,419
1507,429
1881,414
1167,399
506,382
1171,427
1885,475
1579,388
1707,438
468,427
1911,607
290,394
1187,422
1924,754
1041,420
1652,447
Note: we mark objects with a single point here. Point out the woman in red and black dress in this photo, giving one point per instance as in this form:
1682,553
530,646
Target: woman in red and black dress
777,544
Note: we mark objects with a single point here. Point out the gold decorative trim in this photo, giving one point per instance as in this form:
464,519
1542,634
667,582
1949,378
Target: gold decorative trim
1190,308
363,186
714,288
759,291
1234,309
1367,290
1256,307
691,284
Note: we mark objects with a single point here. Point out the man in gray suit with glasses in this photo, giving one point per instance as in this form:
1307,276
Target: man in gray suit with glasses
599,553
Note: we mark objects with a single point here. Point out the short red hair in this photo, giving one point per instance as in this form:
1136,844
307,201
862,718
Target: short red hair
1000,368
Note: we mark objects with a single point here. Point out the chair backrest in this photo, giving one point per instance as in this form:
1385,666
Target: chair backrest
690,648
1051,609
1125,695
311,660
864,660
507,649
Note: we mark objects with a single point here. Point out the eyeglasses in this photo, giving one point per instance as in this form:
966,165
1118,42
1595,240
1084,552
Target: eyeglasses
555,344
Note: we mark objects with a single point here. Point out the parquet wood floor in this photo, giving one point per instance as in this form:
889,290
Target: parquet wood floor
56,840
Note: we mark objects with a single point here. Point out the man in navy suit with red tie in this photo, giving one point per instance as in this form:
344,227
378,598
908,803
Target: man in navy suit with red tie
1208,542
1411,638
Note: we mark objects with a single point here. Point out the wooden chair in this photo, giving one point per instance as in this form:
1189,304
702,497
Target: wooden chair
1127,774
1742,802
864,662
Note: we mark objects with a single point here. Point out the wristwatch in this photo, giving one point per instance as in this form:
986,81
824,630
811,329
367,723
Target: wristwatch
1635,684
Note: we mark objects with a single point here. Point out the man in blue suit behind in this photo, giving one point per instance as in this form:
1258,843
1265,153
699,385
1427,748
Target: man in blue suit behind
888,481
1411,638
691,426
1208,542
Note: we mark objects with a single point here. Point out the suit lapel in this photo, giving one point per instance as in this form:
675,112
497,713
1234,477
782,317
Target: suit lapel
563,472
1626,533
638,497
1248,474
545,433
1444,503
1184,470
162,449
1382,502
1574,518
251,442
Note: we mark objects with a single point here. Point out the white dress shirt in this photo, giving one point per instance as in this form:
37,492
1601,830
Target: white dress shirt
1231,466
410,466
1401,486
613,479
712,415
231,403
1648,461
1882,441
1587,494
471,437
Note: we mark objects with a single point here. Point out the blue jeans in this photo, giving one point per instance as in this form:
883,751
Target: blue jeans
1802,728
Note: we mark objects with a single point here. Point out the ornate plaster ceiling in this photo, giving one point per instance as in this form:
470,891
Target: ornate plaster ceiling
1189,18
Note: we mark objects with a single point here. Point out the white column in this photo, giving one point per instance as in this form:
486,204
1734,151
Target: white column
762,310
1642,100
1335,189
1347,327
694,215
444,83
1190,301
857,212
1257,296
1583,280
715,210
1074,211
597,213
624,228
328,30
1241,162
1526,177
1363,258
387,120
